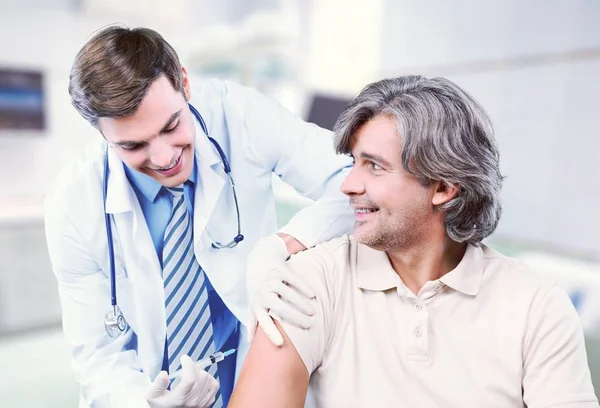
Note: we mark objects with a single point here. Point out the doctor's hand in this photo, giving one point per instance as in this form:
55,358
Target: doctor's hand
197,388
272,286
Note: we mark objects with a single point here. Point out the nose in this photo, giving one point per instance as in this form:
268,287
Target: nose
353,184
161,152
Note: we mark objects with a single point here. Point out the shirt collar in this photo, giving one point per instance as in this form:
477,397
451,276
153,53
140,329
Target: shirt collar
193,176
467,275
375,272
149,187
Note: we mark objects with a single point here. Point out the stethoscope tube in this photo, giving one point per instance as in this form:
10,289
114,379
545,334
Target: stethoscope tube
114,321
239,237
111,249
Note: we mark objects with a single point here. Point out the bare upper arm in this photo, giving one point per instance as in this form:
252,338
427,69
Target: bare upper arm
278,376
271,376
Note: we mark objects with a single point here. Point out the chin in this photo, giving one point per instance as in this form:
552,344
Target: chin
360,234
172,182
373,239
180,178
184,173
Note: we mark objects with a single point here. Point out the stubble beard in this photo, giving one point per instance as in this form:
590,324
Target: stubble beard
398,233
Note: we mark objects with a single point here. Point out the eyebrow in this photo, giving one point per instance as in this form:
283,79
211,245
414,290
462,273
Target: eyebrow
164,128
376,158
170,121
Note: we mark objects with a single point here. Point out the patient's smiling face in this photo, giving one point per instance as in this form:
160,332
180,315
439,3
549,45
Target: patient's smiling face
392,207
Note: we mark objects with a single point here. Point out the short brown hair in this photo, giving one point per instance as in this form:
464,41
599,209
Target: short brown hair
113,70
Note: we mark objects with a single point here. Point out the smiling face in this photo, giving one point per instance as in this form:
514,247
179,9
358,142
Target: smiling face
393,209
158,139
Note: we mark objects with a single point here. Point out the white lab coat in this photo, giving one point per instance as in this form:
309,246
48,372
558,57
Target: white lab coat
258,137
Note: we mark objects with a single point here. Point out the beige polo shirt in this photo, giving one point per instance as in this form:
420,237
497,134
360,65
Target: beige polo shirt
487,334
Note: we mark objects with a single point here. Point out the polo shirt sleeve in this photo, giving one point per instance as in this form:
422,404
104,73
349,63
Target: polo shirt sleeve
555,367
321,273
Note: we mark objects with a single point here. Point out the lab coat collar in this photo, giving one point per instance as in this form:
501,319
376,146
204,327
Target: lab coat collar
209,184
120,195
206,153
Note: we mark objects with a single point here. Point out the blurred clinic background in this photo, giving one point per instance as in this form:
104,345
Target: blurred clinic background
533,65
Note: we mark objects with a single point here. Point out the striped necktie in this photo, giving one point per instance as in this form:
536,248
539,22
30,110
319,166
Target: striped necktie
189,328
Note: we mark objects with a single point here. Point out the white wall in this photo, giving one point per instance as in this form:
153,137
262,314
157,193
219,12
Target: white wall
546,123
441,32
344,50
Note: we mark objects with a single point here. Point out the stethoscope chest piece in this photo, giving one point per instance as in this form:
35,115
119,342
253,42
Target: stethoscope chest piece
114,322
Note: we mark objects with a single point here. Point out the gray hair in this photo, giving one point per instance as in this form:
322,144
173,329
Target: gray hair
446,136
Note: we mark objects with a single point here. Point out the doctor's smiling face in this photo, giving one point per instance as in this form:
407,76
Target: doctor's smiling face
158,139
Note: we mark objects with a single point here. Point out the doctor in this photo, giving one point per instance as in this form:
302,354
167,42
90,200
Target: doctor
164,210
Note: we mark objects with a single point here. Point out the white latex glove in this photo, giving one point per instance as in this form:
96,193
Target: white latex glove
272,286
197,388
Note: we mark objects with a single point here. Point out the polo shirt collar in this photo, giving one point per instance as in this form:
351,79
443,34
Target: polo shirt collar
468,274
374,270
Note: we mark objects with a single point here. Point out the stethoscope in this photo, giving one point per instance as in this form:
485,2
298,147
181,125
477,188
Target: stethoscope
114,321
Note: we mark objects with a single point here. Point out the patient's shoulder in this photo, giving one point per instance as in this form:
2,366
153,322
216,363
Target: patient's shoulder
324,265
327,254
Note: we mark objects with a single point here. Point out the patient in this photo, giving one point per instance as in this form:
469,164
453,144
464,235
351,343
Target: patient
412,310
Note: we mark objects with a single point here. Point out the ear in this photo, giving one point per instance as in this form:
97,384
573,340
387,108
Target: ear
444,192
186,85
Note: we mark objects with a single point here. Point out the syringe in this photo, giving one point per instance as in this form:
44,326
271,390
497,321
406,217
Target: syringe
208,361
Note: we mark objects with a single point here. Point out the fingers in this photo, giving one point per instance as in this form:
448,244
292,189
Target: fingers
208,385
252,322
188,378
296,300
286,312
296,282
158,386
283,276
266,323
275,290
